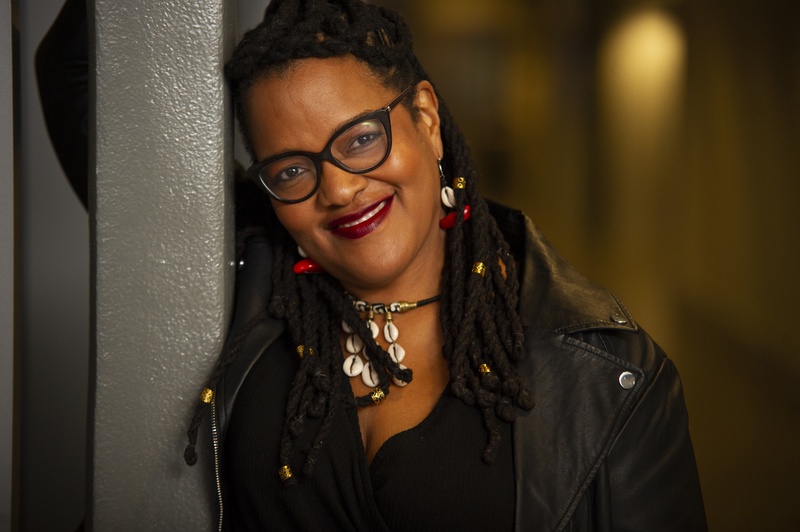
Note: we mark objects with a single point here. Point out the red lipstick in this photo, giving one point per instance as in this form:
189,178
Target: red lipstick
363,222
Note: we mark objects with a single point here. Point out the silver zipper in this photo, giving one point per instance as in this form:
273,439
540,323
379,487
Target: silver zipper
215,440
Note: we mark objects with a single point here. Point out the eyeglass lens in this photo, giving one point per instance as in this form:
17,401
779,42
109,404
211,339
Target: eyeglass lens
358,148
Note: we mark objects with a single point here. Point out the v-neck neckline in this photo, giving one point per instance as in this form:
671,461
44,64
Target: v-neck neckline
423,425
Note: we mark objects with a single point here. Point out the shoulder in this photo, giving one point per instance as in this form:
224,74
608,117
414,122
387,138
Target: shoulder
582,341
252,330
557,301
602,387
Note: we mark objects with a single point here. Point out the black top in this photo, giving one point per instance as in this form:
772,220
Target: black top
430,477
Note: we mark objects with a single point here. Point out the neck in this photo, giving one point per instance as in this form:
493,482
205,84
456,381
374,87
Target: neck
421,280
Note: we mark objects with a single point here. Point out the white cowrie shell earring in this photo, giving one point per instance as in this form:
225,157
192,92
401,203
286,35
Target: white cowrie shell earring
448,196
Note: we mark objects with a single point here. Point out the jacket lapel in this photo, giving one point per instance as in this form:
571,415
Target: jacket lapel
560,444
580,406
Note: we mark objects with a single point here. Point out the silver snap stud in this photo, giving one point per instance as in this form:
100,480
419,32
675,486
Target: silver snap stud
627,380
619,318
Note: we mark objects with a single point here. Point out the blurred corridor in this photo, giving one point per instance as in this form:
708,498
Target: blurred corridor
656,144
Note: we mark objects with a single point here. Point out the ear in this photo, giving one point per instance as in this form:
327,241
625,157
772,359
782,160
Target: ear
429,123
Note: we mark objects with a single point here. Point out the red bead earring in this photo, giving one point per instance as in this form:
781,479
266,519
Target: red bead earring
306,265
449,221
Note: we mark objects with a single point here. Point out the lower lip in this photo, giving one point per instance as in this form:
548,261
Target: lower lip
365,227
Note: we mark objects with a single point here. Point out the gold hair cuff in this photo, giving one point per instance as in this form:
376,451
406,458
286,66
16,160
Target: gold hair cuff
378,396
484,368
285,473
207,395
479,268
460,183
301,350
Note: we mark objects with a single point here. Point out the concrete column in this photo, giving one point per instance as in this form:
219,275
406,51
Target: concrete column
162,253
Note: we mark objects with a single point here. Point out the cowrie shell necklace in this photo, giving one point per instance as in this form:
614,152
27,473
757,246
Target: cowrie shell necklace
358,363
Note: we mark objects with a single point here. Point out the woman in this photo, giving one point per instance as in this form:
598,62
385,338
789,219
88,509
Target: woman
404,355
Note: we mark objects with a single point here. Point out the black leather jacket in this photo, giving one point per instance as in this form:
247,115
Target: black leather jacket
606,447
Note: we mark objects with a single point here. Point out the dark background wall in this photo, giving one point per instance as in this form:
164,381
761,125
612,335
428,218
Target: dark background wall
7,266
54,260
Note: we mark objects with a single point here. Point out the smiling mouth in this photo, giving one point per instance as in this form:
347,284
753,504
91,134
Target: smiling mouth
362,224
367,216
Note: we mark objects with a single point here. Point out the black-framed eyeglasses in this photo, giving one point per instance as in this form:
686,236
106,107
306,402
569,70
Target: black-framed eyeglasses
358,147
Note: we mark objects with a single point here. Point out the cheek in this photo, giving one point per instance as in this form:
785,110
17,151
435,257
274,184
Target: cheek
425,174
415,164
420,179
292,219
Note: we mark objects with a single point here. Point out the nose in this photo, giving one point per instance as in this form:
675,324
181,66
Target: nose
339,187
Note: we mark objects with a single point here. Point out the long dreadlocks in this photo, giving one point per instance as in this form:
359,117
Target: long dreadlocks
483,337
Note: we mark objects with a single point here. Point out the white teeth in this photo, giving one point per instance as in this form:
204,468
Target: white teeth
367,216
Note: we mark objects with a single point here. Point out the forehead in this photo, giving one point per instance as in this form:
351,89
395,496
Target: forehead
300,107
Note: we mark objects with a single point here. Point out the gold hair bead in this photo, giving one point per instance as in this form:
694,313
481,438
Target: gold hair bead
285,473
485,369
460,183
479,268
301,350
207,395
378,396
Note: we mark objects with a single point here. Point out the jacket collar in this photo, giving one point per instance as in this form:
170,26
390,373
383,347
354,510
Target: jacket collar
553,295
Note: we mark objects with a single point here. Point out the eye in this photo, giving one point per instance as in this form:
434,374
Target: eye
289,173
363,141
360,140
286,173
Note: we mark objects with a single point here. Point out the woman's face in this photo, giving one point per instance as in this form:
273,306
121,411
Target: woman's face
376,232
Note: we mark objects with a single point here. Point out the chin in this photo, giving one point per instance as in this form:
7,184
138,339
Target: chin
370,276
373,272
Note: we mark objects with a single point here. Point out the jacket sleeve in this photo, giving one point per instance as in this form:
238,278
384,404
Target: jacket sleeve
650,474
